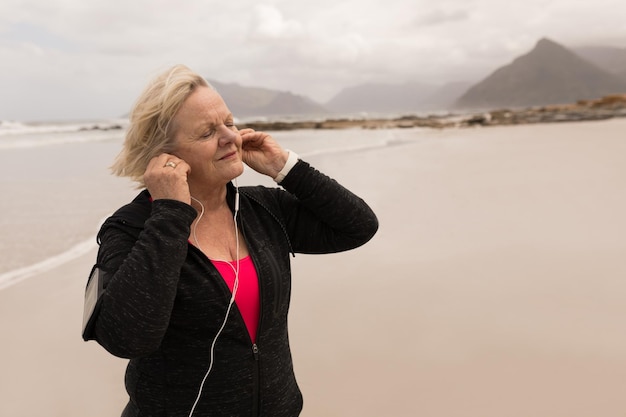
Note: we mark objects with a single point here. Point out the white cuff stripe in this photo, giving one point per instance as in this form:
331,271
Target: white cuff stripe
292,159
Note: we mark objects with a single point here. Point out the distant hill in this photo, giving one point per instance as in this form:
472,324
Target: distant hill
263,102
445,96
381,98
549,74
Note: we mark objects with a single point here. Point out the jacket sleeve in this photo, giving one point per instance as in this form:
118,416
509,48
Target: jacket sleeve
141,276
321,215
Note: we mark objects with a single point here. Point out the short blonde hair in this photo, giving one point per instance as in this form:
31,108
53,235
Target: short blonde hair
151,130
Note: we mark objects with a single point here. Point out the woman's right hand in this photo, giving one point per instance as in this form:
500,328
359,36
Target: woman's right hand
166,178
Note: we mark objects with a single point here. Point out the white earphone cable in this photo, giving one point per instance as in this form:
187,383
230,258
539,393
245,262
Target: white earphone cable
234,291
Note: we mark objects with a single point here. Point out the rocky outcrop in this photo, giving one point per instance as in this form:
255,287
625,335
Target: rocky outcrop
400,122
604,108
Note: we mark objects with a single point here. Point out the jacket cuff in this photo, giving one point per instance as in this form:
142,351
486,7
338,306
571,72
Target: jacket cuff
292,159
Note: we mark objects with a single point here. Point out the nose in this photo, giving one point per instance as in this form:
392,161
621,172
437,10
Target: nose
226,135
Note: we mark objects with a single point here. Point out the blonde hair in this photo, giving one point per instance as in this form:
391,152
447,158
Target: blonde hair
151,130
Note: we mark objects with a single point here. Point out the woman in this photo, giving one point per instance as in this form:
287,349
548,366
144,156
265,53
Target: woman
197,271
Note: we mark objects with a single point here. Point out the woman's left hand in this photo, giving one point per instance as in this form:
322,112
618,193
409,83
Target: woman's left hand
262,153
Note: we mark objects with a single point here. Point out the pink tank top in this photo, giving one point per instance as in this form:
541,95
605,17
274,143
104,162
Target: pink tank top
247,297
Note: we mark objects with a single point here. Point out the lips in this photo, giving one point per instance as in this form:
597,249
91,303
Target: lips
228,155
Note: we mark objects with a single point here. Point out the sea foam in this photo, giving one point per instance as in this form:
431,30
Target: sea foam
16,135
13,277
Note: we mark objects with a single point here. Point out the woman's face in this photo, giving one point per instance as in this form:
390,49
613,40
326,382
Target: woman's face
207,139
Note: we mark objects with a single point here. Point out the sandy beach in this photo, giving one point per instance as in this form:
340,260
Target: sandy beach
495,286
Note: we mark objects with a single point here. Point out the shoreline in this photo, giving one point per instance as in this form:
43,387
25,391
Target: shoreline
604,108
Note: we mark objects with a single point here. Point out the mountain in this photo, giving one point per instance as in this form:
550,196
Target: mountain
549,74
445,96
263,102
381,98
609,58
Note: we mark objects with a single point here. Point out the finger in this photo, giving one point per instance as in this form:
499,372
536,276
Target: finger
171,161
184,167
160,160
255,139
246,131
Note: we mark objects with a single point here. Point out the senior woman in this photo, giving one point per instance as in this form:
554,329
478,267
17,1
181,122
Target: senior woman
196,270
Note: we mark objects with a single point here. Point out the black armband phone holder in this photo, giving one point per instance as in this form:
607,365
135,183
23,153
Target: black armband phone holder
93,300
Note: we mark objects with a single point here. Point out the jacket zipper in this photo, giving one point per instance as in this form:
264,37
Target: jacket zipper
255,382
256,379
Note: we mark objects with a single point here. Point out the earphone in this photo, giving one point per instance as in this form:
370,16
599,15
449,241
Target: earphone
234,292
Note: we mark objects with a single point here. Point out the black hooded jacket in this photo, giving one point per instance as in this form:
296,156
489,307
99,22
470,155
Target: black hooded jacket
164,300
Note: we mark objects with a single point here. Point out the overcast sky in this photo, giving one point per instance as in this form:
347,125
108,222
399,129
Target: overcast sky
78,59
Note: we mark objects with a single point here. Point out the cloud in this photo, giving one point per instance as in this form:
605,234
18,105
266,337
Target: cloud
37,36
268,23
438,17
99,55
